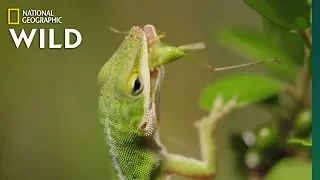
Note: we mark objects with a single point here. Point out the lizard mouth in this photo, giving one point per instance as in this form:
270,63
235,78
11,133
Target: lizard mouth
151,117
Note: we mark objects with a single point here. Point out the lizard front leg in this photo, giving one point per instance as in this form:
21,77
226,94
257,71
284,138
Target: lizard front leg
205,169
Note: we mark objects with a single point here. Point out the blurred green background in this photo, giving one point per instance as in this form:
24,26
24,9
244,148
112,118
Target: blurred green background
49,128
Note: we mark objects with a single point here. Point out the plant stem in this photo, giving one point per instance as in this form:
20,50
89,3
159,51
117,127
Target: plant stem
307,39
306,75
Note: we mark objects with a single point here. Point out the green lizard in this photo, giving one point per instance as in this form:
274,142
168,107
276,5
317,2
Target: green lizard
129,112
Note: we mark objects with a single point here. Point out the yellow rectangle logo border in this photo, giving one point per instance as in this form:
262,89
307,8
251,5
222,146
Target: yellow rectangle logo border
18,16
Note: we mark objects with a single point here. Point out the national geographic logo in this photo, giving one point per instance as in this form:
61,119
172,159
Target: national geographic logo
32,16
17,16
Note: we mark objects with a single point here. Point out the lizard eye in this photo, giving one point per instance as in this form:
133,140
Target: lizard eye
135,84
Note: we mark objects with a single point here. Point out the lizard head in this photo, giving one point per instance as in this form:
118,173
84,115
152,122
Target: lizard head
129,91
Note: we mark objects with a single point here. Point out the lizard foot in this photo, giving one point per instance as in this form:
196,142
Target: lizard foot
219,111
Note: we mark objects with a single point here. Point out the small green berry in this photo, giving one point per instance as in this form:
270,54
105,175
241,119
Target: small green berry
303,123
267,137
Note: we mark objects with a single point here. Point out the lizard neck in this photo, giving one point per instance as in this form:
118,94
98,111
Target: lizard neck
133,157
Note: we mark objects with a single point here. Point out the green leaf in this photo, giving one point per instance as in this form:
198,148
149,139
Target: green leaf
290,169
293,15
300,142
249,88
290,43
257,46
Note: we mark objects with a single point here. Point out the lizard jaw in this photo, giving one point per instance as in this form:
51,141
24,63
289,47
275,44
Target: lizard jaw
150,121
149,126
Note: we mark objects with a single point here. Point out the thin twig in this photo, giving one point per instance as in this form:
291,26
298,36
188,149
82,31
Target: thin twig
306,75
306,38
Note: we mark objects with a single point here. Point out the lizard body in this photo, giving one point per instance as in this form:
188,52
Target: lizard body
129,112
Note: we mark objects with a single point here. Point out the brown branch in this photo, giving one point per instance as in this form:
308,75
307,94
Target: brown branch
306,75
306,38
